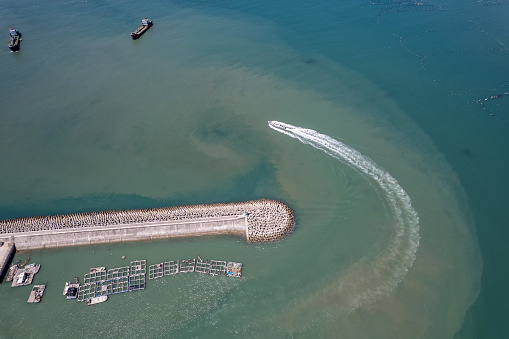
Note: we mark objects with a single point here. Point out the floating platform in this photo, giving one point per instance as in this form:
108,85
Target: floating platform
212,267
71,290
234,269
12,272
36,294
101,282
24,276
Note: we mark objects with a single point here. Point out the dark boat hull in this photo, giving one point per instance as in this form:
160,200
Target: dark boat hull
141,31
14,41
14,48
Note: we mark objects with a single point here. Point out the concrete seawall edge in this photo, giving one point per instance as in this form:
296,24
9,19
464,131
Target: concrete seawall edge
261,220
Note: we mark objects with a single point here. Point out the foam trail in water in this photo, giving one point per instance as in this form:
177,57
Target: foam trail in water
391,266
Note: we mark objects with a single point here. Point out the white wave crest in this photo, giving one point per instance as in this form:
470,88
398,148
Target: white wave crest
392,265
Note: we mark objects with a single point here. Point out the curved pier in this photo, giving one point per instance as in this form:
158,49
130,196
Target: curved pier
261,220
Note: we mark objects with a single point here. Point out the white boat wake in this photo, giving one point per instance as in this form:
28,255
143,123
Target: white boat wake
391,266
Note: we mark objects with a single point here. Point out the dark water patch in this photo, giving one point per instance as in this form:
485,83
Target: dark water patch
215,130
258,183
466,152
219,126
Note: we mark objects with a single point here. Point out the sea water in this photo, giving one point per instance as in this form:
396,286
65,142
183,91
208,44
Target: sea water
390,242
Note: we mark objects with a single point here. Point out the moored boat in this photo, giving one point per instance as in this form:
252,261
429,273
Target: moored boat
145,25
97,269
97,300
14,39
24,262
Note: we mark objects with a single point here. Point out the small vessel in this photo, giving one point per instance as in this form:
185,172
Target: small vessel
97,269
14,39
97,300
24,262
145,25
278,125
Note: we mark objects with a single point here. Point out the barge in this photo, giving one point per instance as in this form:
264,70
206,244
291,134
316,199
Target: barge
145,25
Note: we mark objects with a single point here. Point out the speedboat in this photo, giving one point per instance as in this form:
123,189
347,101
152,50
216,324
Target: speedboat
278,125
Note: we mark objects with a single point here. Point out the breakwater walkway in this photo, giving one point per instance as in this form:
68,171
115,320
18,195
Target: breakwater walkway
6,254
261,220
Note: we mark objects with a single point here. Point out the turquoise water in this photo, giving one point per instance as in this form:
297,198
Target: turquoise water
95,121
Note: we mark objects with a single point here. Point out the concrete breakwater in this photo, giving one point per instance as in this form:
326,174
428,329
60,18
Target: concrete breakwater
261,220
6,254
